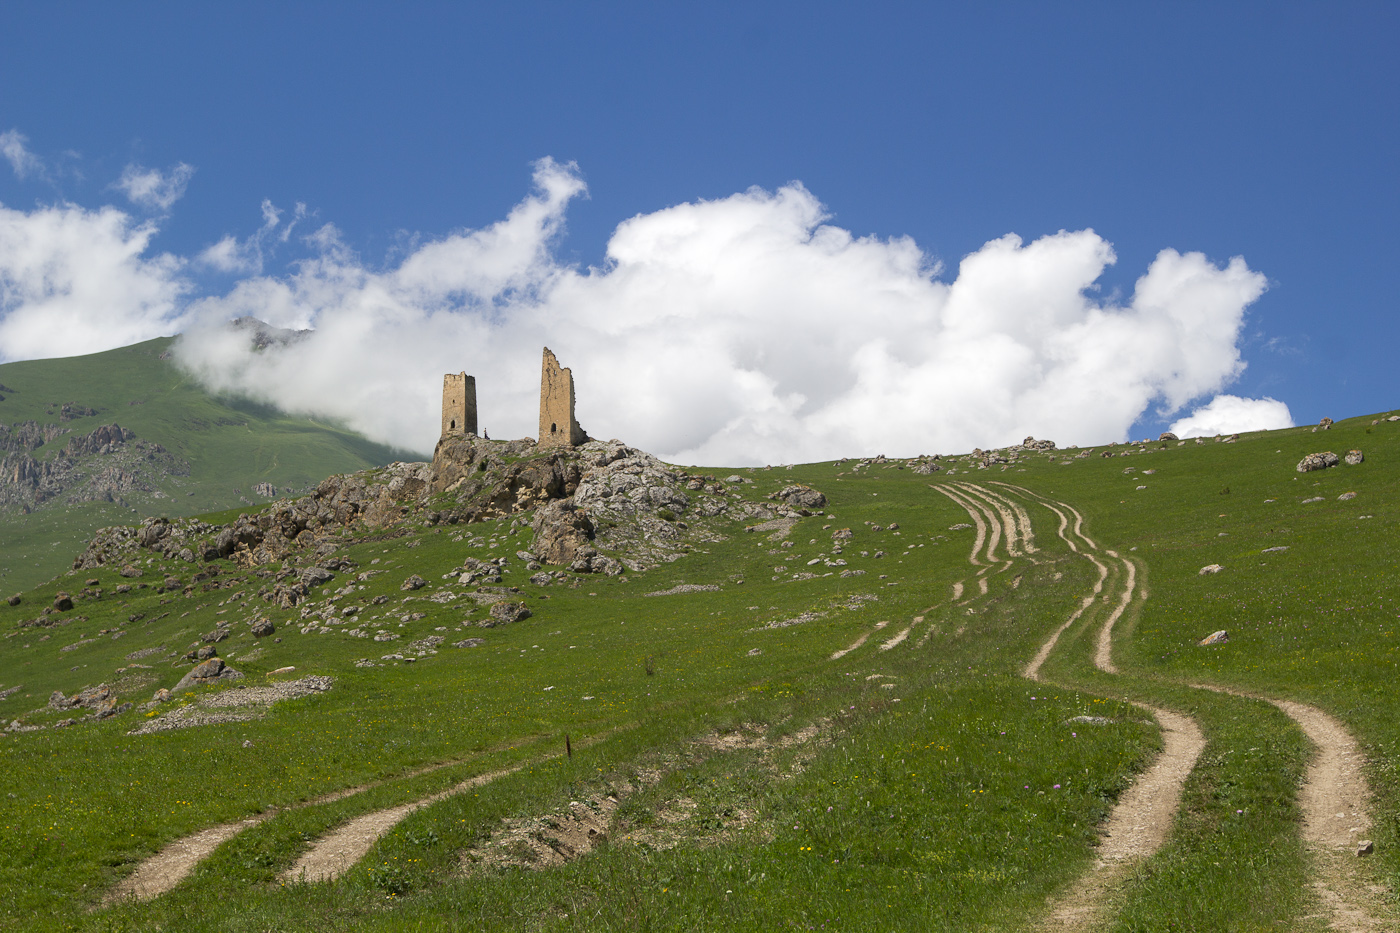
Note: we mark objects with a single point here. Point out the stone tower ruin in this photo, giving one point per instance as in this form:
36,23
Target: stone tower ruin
557,425
458,405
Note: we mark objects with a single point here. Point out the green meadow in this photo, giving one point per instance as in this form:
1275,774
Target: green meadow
747,779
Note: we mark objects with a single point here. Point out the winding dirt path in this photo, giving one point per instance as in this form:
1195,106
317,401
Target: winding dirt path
1141,819
1335,819
1019,540
1136,828
1103,656
1334,799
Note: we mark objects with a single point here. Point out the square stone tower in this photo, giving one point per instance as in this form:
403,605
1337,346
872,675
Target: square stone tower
557,425
458,405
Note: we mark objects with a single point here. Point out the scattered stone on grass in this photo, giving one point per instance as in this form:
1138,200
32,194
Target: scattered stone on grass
1312,500
1274,550
1365,847
687,588
237,705
505,612
469,643
1214,638
1318,461
1210,568
1354,457
414,582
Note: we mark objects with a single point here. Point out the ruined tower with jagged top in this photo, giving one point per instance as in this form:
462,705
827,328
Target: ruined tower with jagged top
557,425
458,405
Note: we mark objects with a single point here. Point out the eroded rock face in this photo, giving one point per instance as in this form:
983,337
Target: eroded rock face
563,533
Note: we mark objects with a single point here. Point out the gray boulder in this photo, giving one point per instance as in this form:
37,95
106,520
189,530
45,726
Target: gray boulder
1354,457
1318,461
205,673
505,612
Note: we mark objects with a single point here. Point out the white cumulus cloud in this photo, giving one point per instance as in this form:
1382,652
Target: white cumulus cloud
1230,414
75,281
153,189
740,330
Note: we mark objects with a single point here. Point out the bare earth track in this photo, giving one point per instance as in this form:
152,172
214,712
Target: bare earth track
1333,797
1141,819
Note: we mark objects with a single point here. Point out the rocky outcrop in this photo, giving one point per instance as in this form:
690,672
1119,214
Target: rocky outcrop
106,465
103,440
563,534
601,507
800,497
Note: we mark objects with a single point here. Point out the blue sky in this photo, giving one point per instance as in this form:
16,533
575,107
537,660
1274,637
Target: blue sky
1264,131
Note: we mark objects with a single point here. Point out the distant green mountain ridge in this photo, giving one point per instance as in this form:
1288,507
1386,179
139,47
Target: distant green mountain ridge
117,436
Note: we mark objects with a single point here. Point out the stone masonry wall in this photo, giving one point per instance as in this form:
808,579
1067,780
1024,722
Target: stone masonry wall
458,405
557,425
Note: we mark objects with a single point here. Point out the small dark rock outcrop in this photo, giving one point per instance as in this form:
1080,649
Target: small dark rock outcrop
505,612
205,673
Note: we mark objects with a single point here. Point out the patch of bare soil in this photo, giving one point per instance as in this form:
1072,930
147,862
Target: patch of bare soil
547,840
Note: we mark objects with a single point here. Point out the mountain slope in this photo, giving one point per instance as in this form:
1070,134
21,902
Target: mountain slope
180,451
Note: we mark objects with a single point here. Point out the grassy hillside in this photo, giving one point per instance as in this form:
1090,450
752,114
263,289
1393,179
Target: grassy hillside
228,444
791,748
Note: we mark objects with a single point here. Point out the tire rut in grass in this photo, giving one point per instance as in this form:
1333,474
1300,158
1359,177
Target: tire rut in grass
177,861
337,852
1141,819
1335,819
